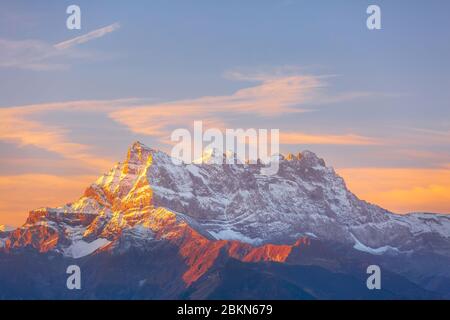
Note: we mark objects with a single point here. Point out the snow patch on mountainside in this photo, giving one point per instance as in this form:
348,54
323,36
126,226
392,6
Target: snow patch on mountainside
427,223
81,248
229,234
375,251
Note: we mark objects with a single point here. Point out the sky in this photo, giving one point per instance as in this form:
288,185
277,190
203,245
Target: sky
373,103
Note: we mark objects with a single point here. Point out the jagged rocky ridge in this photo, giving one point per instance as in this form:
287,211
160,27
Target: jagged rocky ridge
208,210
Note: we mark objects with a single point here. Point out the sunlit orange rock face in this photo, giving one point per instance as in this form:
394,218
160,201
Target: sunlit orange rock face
41,216
40,237
38,232
200,253
267,252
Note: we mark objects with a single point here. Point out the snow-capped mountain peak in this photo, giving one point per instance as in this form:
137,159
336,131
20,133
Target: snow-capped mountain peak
216,156
148,191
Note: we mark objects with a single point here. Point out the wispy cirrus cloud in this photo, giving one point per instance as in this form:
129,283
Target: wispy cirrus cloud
271,97
31,54
39,55
299,138
275,94
24,126
88,36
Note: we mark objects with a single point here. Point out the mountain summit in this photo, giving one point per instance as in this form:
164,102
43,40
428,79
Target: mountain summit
203,215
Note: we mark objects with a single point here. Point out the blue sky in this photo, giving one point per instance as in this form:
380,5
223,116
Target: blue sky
179,49
389,86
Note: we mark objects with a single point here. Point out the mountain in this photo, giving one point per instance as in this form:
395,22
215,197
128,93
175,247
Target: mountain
6,228
153,229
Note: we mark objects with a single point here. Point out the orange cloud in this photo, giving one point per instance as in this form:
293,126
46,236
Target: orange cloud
21,193
347,139
18,125
401,190
273,96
